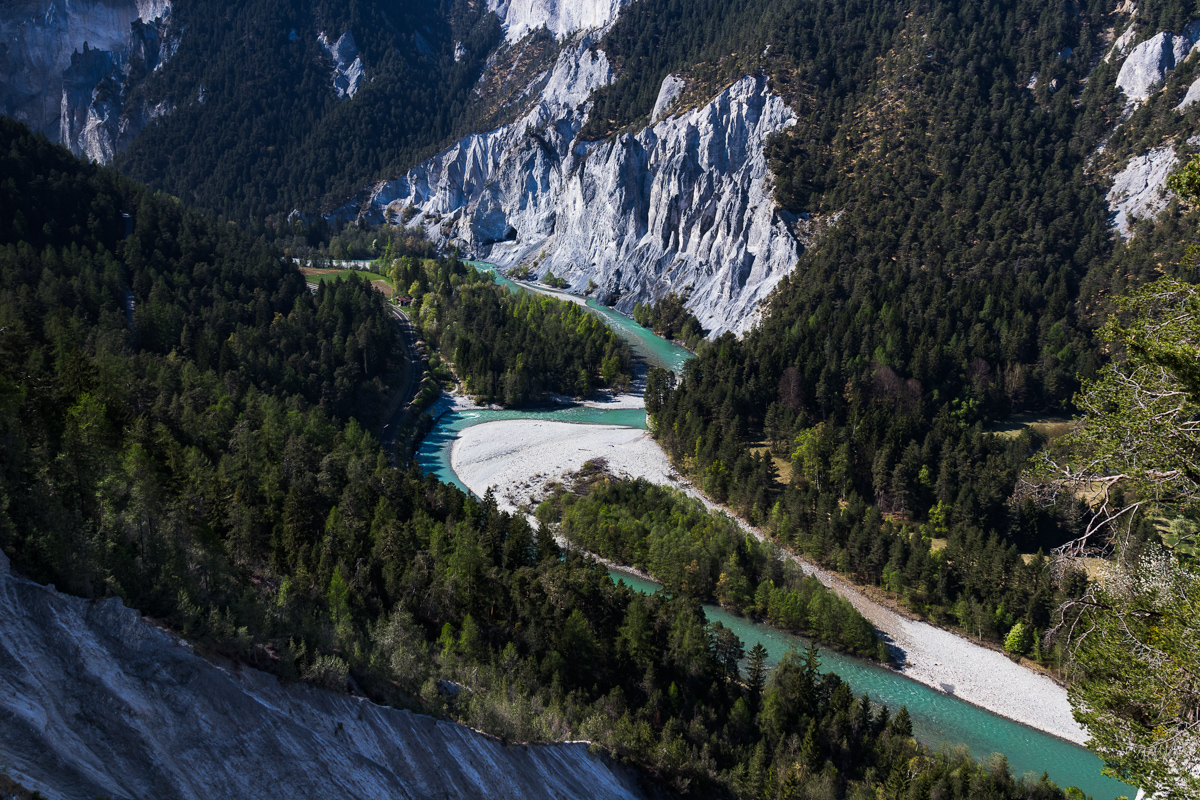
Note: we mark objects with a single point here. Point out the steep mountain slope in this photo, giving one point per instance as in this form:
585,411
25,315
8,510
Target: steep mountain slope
619,192
683,205
95,701
959,291
285,105
71,69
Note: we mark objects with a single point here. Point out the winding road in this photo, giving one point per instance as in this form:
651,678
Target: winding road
401,405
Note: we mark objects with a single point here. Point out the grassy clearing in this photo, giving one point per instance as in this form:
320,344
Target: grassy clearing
783,467
322,275
1050,427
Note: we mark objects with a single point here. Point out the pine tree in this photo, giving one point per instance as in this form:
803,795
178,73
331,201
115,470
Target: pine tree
756,670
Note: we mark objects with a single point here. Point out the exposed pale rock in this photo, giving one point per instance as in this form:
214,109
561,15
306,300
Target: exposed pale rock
684,204
1149,62
1192,96
97,702
66,63
153,9
668,93
1122,43
348,71
1139,190
561,17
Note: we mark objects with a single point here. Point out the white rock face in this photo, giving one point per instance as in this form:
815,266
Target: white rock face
1122,43
684,204
1139,190
1149,62
561,17
1192,97
97,702
64,65
348,71
668,93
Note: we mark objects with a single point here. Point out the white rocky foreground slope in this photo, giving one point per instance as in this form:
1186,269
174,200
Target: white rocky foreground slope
94,701
64,64
685,203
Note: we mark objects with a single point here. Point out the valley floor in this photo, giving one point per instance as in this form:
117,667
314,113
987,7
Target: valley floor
518,458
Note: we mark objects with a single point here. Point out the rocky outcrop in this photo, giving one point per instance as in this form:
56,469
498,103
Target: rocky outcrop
95,701
1191,97
685,204
561,17
668,93
1139,190
1122,43
66,65
1148,63
348,71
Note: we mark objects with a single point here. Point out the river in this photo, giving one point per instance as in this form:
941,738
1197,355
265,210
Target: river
937,718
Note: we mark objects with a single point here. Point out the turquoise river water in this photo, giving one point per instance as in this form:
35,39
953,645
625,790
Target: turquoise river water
654,350
938,718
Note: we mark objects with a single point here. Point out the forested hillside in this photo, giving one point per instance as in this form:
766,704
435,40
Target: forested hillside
960,285
257,127
507,347
177,431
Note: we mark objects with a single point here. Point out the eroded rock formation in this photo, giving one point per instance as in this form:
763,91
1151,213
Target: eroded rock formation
1139,190
66,63
560,17
1149,62
683,205
95,701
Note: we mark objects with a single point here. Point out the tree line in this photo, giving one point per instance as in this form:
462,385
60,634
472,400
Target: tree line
511,348
670,319
707,556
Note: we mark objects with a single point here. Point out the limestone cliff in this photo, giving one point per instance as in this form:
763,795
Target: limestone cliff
64,65
560,17
684,204
1148,63
95,701
1139,190
348,71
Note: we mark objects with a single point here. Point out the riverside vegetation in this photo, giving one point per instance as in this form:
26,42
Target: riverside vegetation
179,430
510,347
670,319
694,553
